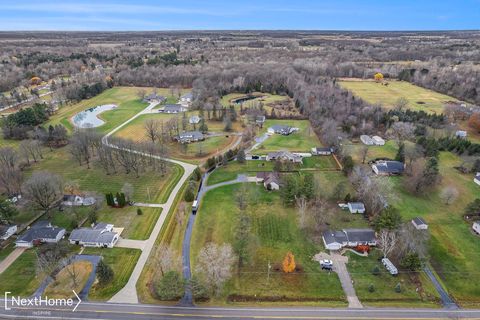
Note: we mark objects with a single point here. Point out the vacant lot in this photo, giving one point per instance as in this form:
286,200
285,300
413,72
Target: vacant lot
149,187
122,261
301,141
274,232
418,98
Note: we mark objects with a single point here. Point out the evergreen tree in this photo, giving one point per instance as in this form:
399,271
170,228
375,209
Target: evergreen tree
400,153
308,188
104,273
171,286
241,156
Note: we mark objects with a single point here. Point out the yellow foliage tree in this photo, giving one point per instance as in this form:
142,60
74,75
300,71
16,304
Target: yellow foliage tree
378,77
288,264
35,80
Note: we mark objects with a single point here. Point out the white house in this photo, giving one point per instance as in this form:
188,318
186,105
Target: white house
356,207
186,99
6,231
322,151
419,223
270,180
40,232
461,134
367,140
284,156
476,227
477,178
100,236
335,240
281,129
378,141
71,200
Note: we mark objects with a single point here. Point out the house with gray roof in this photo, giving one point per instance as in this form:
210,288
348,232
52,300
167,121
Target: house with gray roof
270,180
419,223
388,168
284,156
335,240
281,129
40,232
7,230
322,151
194,120
190,136
356,207
100,236
153,97
173,108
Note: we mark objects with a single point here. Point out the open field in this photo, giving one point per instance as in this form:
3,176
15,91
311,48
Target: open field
149,187
360,269
63,285
301,141
122,261
137,227
275,232
418,98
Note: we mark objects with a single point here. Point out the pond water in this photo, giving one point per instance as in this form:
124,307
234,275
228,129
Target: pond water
89,118
244,98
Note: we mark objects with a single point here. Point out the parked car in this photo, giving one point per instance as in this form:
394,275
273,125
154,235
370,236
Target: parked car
326,264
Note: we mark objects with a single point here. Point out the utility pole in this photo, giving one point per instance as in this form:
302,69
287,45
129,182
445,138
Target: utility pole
268,271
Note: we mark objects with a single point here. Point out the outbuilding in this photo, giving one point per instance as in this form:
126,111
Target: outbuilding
476,179
476,227
7,230
322,151
419,223
356,207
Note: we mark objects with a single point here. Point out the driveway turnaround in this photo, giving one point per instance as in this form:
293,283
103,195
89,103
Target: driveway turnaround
128,294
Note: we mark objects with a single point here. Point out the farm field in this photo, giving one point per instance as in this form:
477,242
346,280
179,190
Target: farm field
275,230
122,261
360,269
300,141
151,187
418,98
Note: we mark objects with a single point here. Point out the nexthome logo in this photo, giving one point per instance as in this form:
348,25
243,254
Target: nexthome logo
13,302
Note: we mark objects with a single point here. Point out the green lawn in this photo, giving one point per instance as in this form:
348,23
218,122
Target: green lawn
6,251
275,232
20,278
320,163
389,150
360,269
137,227
302,141
149,187
233,169
376,93
122,261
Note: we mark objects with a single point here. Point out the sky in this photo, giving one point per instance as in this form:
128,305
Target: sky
143,15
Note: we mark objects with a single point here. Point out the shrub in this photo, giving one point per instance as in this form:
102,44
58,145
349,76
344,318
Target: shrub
139,212
398,288
411,262
371,288
199,290
189,195
171,286
376,271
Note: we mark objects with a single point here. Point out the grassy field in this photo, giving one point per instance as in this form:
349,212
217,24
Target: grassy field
418,98
233,169
122,261
149,187
320,163
275,232
63,285
360,269
137,227
301,141
20,278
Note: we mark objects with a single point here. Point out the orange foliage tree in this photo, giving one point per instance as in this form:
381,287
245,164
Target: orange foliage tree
35,80
474,121
378,77
288,264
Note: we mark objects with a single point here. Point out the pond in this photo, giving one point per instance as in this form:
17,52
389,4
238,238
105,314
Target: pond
89,118
244,98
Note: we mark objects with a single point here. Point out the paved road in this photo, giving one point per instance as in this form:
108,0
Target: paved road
447,301
113,311
10,259
128,294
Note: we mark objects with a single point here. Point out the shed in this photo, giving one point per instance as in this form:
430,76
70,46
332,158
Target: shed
419,223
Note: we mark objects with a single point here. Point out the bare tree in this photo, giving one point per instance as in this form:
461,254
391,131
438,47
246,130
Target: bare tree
215,262
152,129
364,153
166,259
49,258
44,190
449,194
128,190
241,197
387,240
413,240
302,205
